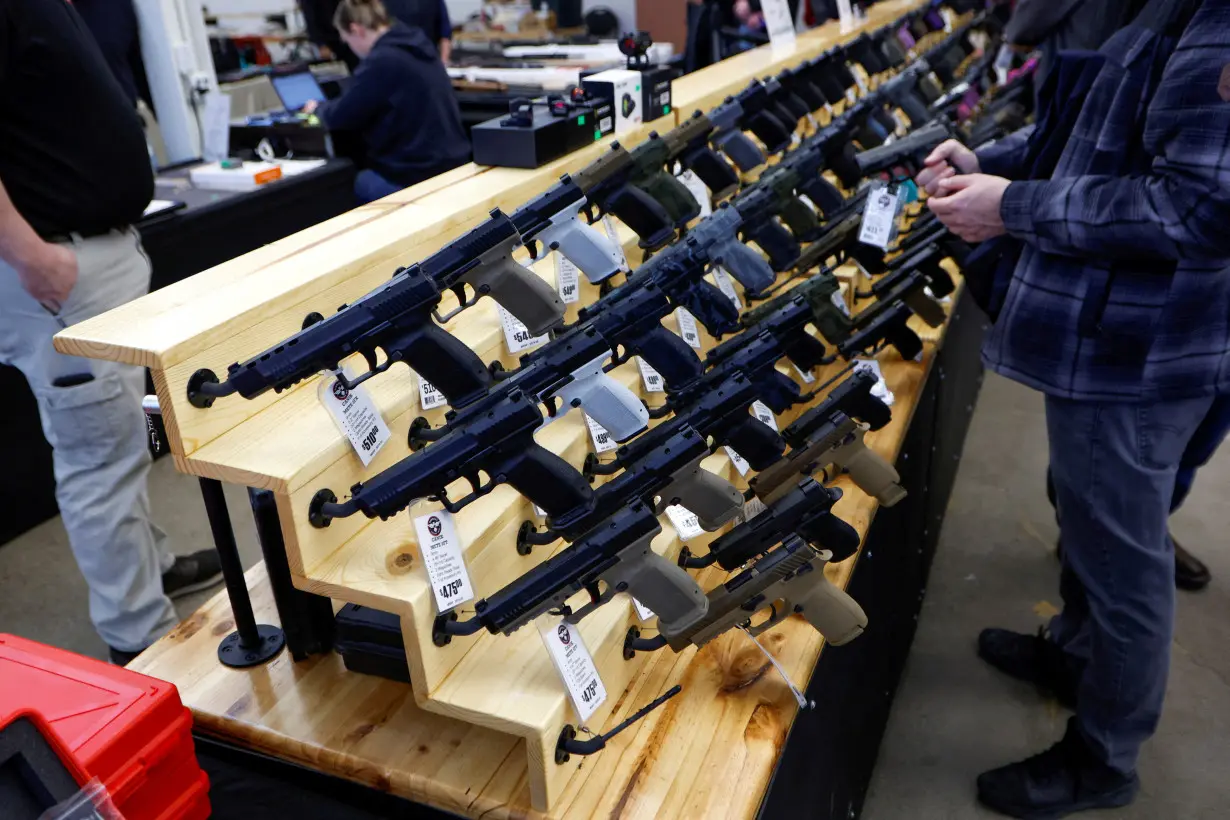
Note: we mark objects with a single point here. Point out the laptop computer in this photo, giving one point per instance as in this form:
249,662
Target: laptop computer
294,90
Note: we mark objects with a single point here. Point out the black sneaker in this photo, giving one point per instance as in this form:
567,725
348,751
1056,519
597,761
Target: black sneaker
192,573
119,657
1033,659
1065,778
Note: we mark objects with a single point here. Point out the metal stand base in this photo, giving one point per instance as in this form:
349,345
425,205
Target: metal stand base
233,653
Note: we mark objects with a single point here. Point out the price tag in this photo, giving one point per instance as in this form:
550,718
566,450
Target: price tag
446,566
839,302
687,327
651,378
685,522
764,414
740,463
851,94
752,508
608,224
539,511
880,389
643,613
859,81
516,336
879,217
727,286
698,191
567,281
429,397
603,442
357,416
574,665
804,375
813,122
778,23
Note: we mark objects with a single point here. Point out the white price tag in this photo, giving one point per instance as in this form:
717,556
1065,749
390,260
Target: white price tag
650,377
429,397
859,81
839,302
446,566
687,327
516,335
752,508
609,225
685,522
567,281
727,286
574,664
845,14
761,411
851,94
880,389
643,613
357,416
740,463
539,511
698,191
879,218
603,442
804,375
778,23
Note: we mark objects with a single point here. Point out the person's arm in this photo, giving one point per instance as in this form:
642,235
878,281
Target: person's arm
444,38
368,91
47,271
1181,208
1033,22
1005,157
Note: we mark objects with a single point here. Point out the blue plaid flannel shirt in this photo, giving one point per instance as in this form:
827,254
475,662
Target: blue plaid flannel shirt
1122,292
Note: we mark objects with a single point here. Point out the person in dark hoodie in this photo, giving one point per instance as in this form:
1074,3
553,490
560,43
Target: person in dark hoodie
401,100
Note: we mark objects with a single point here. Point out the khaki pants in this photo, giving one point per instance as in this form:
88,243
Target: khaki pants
91,415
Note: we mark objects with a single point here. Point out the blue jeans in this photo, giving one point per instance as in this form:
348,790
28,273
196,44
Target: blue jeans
1114,467
370,186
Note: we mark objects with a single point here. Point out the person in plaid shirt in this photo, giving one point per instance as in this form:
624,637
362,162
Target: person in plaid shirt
1118,309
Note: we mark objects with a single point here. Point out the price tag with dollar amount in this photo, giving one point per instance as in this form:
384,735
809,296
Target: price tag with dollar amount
739,461
516,336
643,613
539,511
778,23
879,217
603,441
698,191
446,565
685,522
804,375
727,286
761,411
356,415
651,378
574,665
752,508
687,327
567,280
612,233
880,388
429,397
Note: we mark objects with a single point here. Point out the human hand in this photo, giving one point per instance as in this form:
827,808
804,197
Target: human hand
944,162
969,205
49,275
310,106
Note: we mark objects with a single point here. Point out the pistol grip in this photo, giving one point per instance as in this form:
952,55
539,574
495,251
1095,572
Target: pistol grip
830,611
748,267
591,251
926,308
869,471
664,587
802,221
824,195
521,292
547,480
713,499
781,247
614,406
758,443
673,196
644,215
669,355
742,151
444,360
718,176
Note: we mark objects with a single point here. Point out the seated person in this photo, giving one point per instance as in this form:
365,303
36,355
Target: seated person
400,100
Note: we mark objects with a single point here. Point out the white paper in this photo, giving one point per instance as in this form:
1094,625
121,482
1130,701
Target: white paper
446,565
567,280
752,508
839,302
761,411
539,511
727,286
516,335
845,14
879,216
687,327
698,191
603,441
880,389
739,461
643,613
357,416
216,127
685,522
651,378
613,234
778,23
574,665
429,397
804,375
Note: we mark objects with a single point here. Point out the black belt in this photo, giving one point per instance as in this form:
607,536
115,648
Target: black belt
60,238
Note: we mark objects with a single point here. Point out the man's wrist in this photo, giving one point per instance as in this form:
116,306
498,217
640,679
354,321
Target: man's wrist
1016,208
25,254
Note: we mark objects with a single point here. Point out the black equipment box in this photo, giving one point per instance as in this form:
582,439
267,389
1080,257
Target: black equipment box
370,642
539,131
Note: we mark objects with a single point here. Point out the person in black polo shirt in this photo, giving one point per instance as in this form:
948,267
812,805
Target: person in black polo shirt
74,176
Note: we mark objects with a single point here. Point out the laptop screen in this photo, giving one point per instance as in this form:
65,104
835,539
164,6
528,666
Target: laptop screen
296,89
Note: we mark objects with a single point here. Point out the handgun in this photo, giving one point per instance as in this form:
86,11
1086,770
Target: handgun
909,151
746,110
925,260
768,121
692,137
553,221
651,159
787,322
886,321
829,146
823,75
788,580
789,106
717,236
759,206
755,353
784,180
806,511
798,81
863,50
840,243
607,185
909,286
616,556
838,444
904,92
853,397
396,318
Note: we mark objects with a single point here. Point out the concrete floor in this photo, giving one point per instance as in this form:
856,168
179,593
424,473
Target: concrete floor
953,716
